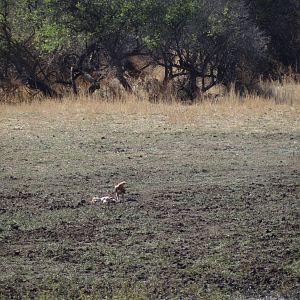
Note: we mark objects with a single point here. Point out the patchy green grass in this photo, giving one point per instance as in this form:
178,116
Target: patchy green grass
294,268
212,209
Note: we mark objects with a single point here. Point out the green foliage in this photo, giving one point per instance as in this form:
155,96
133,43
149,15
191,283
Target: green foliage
50,37
280,20
210,38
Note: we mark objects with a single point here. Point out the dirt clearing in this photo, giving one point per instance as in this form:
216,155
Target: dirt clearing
211,212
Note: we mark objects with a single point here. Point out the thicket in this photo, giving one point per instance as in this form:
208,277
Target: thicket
54,46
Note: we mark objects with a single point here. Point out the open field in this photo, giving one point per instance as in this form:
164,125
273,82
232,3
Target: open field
212,209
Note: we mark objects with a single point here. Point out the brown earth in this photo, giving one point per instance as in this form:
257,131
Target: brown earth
212,209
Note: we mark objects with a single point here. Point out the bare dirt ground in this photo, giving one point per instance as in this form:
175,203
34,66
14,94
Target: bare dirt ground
212,209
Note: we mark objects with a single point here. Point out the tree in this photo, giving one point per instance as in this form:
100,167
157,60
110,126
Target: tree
213,41
200,43
281,21
17,46
110,29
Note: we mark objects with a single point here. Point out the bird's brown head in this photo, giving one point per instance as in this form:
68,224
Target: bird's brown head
120,186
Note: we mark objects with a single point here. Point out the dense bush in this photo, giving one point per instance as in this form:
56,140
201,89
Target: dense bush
280,20
50,46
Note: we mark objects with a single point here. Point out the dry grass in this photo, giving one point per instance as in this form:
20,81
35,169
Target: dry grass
280,102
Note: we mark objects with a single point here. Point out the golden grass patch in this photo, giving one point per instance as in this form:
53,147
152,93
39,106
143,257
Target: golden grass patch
231,110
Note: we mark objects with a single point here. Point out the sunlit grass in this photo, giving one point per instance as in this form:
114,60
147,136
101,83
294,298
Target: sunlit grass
280,105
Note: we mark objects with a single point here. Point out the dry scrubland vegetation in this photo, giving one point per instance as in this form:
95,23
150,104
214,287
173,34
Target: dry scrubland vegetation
90,96
212,210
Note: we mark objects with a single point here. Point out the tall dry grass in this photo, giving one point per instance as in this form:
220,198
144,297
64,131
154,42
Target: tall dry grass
277,99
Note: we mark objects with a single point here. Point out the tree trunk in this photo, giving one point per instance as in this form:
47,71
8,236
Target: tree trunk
73,82
193,88
122,79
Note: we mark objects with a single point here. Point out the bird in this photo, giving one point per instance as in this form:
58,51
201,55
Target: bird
120,190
